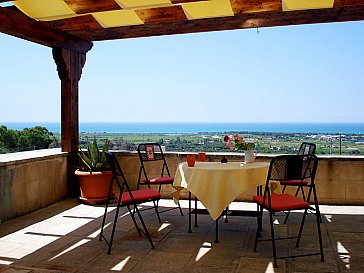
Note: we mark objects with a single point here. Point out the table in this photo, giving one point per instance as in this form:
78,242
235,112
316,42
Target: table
217,184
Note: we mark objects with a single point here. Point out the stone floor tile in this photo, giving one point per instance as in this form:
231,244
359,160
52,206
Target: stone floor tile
157,261
259,265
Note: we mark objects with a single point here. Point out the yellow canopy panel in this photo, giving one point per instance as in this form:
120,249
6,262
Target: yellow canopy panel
207,9
117,18
288,5
45,10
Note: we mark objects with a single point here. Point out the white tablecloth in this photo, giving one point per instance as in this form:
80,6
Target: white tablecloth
217,184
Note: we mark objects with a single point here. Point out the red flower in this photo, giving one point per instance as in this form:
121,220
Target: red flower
227,138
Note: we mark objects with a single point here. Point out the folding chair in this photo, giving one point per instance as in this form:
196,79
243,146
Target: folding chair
151,154
280,168
306,148
126,198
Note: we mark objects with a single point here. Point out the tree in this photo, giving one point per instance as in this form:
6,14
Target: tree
8,139
34,138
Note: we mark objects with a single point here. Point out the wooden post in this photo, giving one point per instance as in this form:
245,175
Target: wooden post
69,67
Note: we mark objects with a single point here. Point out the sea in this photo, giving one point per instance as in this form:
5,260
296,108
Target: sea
117,127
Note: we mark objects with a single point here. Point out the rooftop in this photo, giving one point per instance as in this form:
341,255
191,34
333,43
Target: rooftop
74,24
64,238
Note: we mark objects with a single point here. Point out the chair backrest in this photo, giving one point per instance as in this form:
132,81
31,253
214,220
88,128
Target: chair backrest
297,167
117,172
151,152
288,167
307,148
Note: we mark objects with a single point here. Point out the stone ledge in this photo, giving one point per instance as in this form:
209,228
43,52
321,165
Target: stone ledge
29,156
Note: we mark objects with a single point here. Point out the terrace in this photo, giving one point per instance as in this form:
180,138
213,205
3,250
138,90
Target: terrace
64,238
56,232
51,234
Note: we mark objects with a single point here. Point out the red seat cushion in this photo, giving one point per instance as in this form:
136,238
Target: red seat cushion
139,196
161,180
293,182
282,202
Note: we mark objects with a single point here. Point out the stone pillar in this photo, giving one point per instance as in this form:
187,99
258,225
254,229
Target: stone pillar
69,67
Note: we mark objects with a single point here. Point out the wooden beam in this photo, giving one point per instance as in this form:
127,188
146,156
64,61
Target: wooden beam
69,67
241,21
19,25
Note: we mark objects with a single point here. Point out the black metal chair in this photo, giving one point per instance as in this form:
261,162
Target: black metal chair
282,168
306,148
126,198
152,154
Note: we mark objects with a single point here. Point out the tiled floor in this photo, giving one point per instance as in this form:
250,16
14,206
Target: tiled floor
64,238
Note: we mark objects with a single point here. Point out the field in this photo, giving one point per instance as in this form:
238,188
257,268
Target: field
348,144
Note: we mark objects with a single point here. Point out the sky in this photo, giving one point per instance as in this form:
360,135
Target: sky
307,73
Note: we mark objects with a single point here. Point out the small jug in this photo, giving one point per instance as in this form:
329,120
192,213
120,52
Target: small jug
250,156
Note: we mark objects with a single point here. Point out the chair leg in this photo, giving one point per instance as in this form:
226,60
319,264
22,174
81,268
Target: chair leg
180,209
318,219
303,196
318,222
156,211
259,227
103,221
273,240
106,207
196,225
144,227
226,214
297,191
135,223
301,228
316,203
217,230
189,212
286,218
303,193
113,230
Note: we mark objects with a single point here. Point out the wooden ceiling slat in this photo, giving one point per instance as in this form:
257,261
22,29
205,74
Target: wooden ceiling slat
85,22
262,19
342,3
89,6
240,7
165,14
21,26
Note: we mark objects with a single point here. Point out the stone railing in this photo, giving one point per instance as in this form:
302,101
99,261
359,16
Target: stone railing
31,180
36,179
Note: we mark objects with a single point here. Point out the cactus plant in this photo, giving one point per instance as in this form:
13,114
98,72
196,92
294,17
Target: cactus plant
94,159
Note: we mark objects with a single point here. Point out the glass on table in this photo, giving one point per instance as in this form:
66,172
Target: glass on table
191,159
202,157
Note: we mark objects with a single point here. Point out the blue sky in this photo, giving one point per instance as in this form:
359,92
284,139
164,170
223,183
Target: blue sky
311,73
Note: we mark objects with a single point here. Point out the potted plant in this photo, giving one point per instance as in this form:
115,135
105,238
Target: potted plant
237,143
94,176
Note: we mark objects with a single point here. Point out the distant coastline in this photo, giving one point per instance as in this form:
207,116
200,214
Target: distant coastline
99,127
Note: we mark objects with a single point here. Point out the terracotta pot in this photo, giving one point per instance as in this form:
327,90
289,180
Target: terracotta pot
94,186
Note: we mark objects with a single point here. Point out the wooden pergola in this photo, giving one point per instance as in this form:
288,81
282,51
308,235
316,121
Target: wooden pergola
69,28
